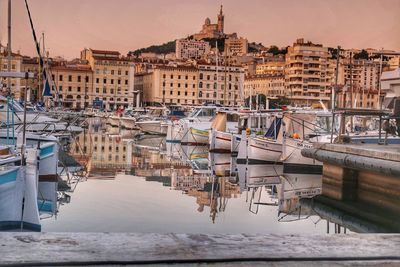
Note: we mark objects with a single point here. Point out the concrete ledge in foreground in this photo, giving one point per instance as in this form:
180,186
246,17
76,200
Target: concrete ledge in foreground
63,249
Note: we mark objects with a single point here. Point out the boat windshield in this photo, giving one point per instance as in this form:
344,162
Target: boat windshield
203,112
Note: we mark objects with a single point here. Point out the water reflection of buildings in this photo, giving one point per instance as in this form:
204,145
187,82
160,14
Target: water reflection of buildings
209,191
99,152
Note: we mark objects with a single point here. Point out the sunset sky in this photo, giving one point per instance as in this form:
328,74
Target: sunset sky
131,24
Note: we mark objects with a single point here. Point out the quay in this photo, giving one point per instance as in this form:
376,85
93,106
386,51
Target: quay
360,185
101,249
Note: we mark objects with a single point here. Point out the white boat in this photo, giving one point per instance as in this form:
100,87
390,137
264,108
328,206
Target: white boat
128,122
11,112
262,149
304,129
114,120
192,130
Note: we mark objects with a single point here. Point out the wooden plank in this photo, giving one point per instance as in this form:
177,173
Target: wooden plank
133,248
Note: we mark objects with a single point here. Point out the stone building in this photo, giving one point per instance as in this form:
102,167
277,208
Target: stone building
210,30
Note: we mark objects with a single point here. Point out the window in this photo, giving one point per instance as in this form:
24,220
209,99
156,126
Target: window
104,80
78,89
126,73
179,85
97,80
126,82
112,81
70,78
60,78
97,90
60,88
201,85
171,85
119,72
119,81
186,93
179,92
69,88
104,90
201,76
79,78
194,77
170,92
112,72
111,91
193,94
164,76
186,77
172,76
179,76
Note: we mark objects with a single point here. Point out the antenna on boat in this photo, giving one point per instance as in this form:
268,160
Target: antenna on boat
334,92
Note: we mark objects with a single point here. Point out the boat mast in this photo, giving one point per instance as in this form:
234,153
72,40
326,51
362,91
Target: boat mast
216,72
9,49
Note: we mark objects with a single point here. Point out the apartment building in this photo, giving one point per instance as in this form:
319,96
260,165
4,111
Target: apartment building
170,85
191,49
361,73
272,86
113,79
272,66
74,83
220,85
16,66
306,73
235,46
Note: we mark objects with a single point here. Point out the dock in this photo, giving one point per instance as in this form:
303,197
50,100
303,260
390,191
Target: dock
100,249
361,182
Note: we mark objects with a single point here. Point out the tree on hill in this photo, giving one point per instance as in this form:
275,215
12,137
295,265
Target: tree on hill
165,48
273,49
362,55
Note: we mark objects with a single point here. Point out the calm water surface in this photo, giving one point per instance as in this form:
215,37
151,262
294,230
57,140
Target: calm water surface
138,183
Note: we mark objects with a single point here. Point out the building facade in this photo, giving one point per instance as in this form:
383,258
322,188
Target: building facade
74,85
272,86
236,46
113,79
191,49
306,73
273,66
221,85
16,66
170,85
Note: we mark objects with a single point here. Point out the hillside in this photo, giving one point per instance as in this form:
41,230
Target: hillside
165,48
169,47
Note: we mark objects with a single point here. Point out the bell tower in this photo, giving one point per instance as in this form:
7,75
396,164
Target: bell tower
221,21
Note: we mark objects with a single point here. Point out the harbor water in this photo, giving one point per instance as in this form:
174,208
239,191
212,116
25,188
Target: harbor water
140,183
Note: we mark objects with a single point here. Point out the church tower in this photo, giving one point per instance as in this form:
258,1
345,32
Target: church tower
221,21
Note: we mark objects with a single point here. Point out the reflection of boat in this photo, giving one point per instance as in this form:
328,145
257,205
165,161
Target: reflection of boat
291,190
192,130
220,164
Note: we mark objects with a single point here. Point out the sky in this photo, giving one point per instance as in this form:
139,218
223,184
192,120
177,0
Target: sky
125,25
